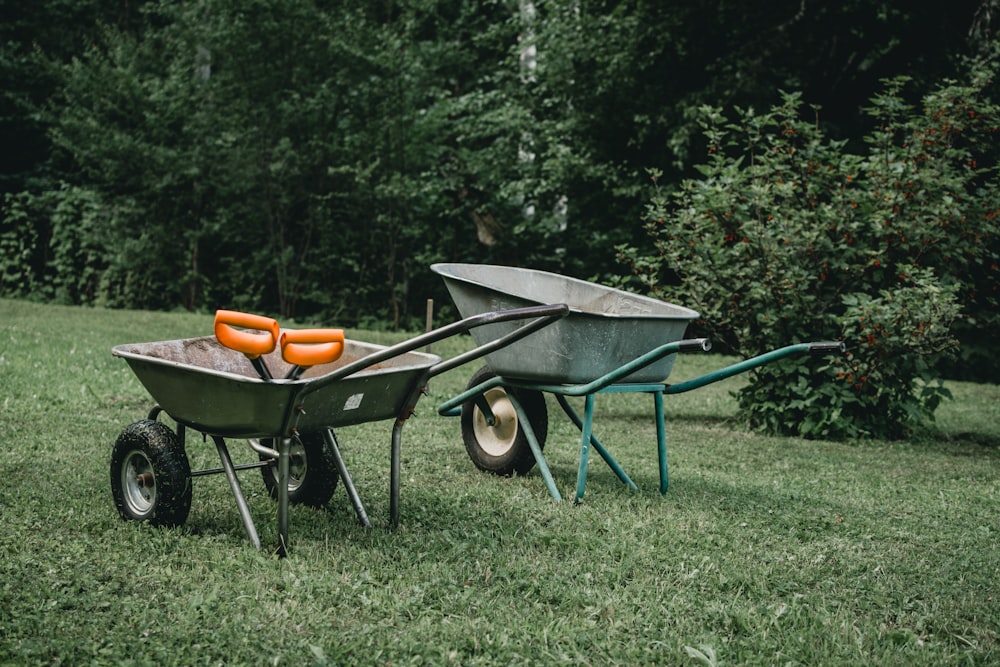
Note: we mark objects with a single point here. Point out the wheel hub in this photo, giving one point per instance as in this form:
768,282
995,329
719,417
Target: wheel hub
139,483
496,440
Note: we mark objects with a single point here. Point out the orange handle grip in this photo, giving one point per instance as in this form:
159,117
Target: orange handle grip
311,347
251,344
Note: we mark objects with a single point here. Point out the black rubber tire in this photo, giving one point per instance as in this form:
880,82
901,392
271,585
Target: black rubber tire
503,449
313,474
150,475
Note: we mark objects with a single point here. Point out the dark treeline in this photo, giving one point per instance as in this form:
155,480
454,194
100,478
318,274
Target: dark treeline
311,159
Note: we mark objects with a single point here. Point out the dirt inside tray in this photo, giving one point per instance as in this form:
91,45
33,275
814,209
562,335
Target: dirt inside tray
206,352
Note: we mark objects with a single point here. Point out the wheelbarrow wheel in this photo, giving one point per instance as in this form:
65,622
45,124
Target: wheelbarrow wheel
312,471
503,448
150,475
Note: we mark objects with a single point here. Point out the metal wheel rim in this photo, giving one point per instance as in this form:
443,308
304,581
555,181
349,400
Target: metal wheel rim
297,466
139,483
498,439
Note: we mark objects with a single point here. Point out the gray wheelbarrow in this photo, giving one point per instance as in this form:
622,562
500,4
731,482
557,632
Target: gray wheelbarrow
610,342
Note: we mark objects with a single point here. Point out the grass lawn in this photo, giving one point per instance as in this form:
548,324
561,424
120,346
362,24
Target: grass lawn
764,551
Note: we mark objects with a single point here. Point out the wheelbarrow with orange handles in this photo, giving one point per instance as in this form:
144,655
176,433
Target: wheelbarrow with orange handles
283,391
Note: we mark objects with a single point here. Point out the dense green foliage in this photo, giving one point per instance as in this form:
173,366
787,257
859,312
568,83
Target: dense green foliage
789,236
297,158
312,158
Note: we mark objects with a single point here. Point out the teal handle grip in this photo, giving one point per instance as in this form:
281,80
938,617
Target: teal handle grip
694,345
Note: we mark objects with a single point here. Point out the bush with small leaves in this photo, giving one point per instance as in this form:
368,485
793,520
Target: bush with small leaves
788,236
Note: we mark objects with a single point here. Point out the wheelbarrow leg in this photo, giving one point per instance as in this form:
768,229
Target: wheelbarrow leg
595,443
529,434
395,472
352,493
587,433
661,439
234,484
396,454
284,449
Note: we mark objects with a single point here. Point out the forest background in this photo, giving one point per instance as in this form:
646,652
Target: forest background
311,159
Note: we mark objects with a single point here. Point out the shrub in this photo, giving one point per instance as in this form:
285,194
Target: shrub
788,236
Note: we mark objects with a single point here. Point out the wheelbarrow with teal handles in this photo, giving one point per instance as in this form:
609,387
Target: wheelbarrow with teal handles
610,342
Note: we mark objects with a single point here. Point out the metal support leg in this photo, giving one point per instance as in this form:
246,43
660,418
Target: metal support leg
661,439
234,484
536,450
284,449
596,444
395,472
352,493
587,432
396,463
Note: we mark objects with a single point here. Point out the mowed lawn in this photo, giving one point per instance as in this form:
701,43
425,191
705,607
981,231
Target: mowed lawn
765,551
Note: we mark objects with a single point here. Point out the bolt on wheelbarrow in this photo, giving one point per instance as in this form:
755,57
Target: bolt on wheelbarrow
610,342
283,391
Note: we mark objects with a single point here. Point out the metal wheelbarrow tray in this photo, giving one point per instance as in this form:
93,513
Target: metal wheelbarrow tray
206,386
610,342
605,327
213,389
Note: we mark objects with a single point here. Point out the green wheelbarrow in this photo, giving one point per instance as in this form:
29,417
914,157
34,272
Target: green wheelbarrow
284,401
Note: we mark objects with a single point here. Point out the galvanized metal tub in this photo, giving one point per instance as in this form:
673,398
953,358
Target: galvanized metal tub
606,328
207,386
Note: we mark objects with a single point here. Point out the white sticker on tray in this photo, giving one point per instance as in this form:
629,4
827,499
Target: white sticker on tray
353,402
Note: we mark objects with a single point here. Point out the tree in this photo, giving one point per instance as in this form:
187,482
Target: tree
312,158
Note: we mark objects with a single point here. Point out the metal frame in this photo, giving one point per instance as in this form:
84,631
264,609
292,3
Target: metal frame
533,318
609,383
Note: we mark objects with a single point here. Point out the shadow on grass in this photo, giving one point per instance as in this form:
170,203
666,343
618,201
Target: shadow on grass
986,440
218,516
961,443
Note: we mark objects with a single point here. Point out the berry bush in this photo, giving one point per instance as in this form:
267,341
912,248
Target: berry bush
789,236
